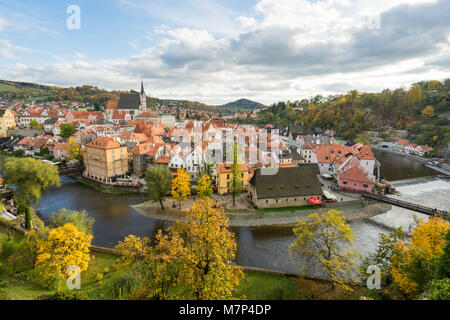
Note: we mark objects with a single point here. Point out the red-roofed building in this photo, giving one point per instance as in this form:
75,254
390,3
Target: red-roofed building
354,179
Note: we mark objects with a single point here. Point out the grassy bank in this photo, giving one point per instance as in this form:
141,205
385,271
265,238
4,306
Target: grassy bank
101,189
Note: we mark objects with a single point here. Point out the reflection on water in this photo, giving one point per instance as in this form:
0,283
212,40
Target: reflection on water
396,167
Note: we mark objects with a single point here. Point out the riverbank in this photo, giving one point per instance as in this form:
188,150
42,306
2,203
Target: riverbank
103,188
262,218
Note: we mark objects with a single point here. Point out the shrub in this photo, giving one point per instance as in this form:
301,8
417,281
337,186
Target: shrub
79,219
67,295
440,289
99,277
123,285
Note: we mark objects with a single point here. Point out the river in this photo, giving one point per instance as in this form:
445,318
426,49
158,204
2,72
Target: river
265,247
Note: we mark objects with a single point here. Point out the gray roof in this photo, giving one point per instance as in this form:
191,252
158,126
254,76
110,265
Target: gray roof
288,182
51,121
129,101
103,121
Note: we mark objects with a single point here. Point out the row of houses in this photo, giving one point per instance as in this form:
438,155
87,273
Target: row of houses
404,145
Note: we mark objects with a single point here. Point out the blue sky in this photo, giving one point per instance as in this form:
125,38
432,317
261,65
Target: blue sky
215,51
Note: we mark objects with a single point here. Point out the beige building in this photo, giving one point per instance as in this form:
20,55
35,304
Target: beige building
6,121
105,160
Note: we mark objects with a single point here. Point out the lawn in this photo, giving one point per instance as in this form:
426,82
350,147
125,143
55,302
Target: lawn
8,88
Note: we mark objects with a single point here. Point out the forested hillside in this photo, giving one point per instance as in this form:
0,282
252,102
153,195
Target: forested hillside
423,110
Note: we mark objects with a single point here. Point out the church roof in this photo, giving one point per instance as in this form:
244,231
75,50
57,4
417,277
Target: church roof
129,101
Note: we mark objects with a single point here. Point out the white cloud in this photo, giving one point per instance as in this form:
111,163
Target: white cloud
7,49
3,23
285,49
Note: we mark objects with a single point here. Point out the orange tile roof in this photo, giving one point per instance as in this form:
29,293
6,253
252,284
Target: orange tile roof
366,153
112,105
225,167
103,143
355,174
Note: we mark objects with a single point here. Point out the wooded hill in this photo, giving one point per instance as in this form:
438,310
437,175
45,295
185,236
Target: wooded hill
244,104
423,110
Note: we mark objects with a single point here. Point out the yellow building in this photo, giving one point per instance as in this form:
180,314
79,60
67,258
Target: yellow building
224,177
105,160
6,121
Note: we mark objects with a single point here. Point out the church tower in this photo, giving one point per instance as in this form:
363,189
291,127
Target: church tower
143,98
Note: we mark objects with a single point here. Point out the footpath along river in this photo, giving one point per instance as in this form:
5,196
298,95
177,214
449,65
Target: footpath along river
264,247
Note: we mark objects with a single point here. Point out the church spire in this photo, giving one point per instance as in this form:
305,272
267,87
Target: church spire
142,87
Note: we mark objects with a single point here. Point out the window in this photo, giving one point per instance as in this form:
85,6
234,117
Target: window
345,182
365,186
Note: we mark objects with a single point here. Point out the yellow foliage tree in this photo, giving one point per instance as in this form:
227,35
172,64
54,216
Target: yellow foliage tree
74,150
428,112
181,186
208,268
159,263
63,247
412,264
204,187
323,243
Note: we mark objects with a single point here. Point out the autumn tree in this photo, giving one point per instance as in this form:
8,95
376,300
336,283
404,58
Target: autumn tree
158,183
428,112
323,244
181,186
382,258
204,187
159,262
30,177
63,247
413,264
209,272
67,129
74,150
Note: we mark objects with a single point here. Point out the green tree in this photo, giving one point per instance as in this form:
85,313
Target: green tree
440,290
364,139
443,262
67,129
323,244
383,259
34,124
235,186
30,177
79,219
159,181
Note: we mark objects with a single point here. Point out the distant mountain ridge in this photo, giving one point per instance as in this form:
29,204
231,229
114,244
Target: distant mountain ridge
244,104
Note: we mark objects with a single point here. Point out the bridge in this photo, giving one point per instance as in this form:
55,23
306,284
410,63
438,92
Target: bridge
401,203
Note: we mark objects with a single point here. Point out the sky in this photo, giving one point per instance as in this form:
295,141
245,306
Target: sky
217,51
